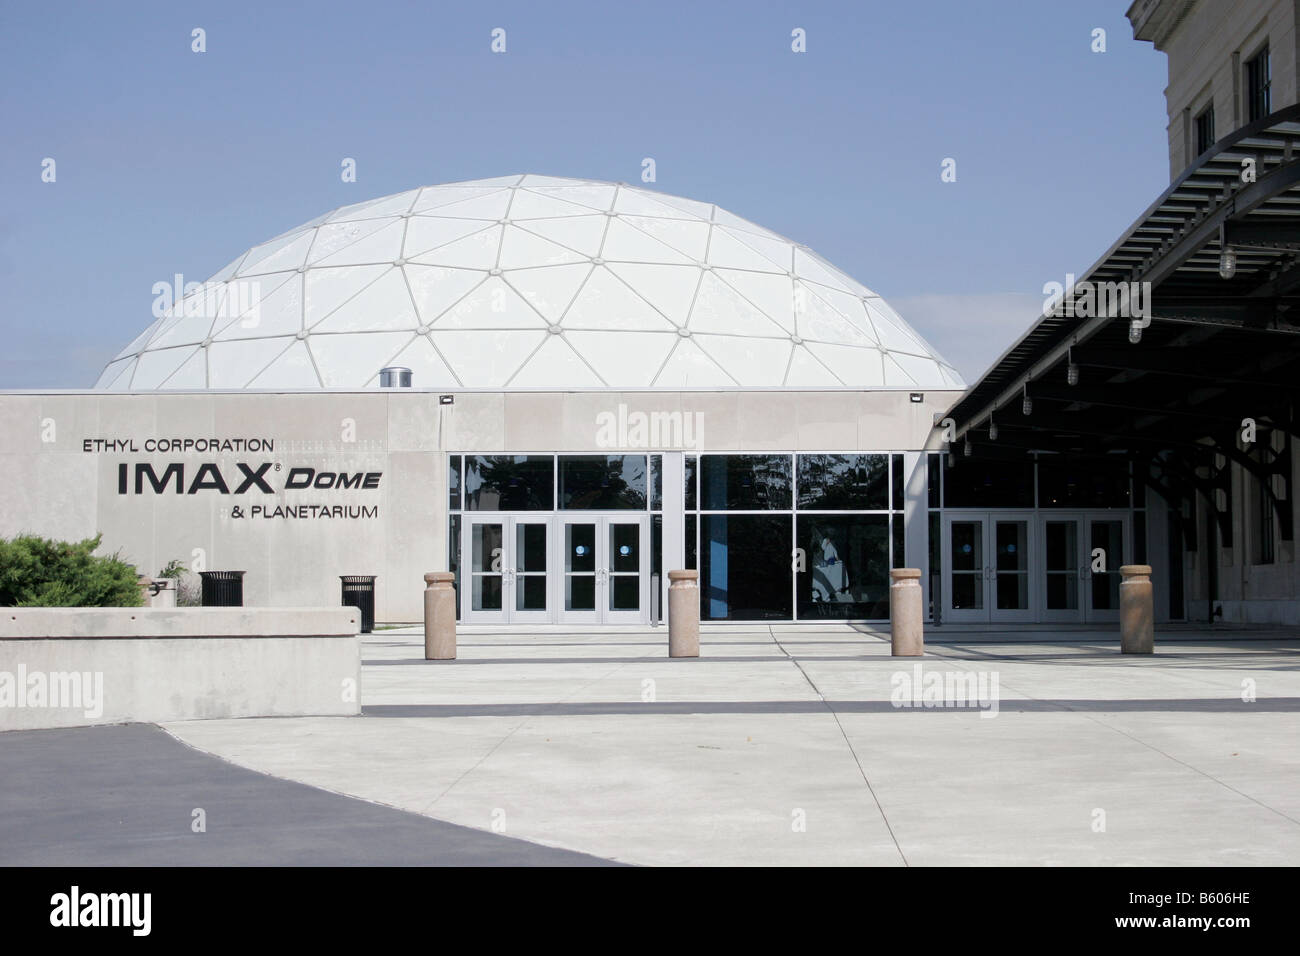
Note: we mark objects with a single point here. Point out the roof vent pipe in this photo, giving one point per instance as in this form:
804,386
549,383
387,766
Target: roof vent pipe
395,377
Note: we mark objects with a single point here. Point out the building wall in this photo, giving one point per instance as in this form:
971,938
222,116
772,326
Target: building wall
57,488
1248,592
1208,43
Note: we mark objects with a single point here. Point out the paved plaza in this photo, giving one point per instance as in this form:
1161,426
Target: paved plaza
782,745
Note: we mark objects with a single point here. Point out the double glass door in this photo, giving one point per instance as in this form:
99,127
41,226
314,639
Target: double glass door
988,561
505,577
555,568
1082,555
605,567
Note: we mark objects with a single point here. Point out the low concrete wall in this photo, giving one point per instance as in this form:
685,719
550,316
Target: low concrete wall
70,667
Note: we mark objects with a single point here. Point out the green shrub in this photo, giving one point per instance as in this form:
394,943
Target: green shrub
38,572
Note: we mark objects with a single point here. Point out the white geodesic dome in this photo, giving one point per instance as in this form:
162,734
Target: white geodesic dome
529,282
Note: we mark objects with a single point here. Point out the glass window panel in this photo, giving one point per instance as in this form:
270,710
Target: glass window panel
745,483
656,556
580,566
453,557
580,548
624,547
1062,592
897,485
485,547
1013,592
487,592
967,592
933,549
1011,549
691,563
984,483
1108,536
530,592
530,547
1082,484
625,593
603,482
843,482
656,482
1062,545
691,467
509,482
900,542
846,568
934,468
1011,563
967,545
453,482
580,592
745,567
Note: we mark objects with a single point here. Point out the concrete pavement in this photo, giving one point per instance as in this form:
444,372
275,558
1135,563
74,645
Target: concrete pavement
782,746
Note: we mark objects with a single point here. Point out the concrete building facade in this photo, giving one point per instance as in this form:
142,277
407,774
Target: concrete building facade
1229,64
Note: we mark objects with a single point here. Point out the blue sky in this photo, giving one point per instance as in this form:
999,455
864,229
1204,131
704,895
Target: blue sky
172,161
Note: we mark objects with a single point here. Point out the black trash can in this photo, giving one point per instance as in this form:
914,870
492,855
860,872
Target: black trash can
359,592
223,588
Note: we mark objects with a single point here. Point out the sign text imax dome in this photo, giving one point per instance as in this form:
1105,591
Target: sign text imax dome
529,282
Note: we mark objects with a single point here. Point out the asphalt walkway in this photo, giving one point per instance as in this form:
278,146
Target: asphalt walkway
126,795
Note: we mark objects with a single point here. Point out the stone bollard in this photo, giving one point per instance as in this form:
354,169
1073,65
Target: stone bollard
683,614
439,616
146,590
906,620
1137,629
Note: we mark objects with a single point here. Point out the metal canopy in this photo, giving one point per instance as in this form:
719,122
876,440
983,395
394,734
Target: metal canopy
1217,350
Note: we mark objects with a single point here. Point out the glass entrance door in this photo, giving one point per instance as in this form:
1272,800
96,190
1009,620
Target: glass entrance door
627,571
506,573
1064,574
1106,552
605,566
988,562
964,591
1082,557
1010,563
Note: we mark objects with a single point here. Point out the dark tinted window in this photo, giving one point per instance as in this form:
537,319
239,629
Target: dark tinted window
846,566
745,483
509,483
1205,130
453,556
1082,484
745,567
453,483
1258,86
590,482
981,483
843,482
